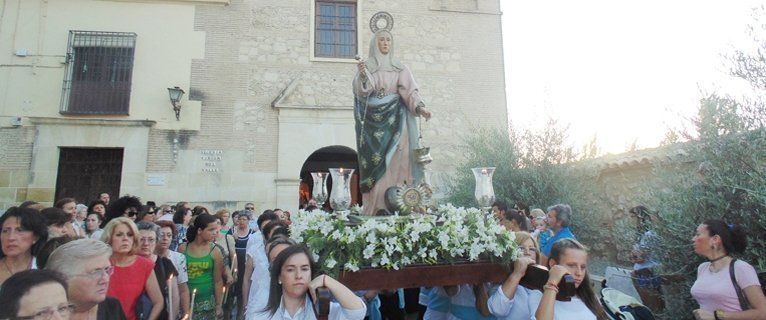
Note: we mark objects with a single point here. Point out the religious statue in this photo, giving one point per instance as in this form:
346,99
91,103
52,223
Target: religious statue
386,106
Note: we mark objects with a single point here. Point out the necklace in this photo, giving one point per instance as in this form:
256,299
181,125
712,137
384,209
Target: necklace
714,270
8,266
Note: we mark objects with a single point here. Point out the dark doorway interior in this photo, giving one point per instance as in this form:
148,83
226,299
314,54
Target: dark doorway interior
84,173
323,159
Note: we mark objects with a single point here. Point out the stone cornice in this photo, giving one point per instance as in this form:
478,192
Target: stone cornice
91,122
224,2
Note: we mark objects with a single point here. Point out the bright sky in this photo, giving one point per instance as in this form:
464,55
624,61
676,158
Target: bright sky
620,70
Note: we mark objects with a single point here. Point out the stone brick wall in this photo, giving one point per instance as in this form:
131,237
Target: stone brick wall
15,157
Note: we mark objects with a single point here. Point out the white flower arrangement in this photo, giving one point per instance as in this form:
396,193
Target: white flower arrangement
392,242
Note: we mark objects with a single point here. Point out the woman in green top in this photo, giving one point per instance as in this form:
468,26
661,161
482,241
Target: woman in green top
205,264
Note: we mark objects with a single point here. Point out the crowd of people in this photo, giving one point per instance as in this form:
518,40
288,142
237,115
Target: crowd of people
124,259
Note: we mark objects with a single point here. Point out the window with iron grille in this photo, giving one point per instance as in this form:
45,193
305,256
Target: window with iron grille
98,73
335,29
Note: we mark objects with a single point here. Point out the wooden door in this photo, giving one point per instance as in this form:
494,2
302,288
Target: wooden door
84,173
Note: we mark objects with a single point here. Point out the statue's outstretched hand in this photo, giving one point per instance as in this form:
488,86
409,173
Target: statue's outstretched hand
423,112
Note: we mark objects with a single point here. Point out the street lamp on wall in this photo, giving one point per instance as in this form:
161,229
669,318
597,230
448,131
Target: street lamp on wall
176,94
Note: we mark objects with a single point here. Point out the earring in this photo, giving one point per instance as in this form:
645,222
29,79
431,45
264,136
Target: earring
279,281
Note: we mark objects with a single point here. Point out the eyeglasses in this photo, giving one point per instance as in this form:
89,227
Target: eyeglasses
249,208
46,314
148,240
98,273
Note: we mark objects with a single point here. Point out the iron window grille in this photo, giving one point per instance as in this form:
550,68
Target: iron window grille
98,73
335,29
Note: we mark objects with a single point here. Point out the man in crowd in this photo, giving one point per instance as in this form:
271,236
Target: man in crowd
558,219
499,208
250,210
104,197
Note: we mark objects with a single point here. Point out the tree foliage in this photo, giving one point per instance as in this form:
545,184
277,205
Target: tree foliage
728,145
538,168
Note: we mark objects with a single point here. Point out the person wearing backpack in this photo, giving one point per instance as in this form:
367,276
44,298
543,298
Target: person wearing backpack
726,288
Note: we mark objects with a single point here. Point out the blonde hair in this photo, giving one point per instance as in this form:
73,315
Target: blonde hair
537,212
106,237
523,236
220,213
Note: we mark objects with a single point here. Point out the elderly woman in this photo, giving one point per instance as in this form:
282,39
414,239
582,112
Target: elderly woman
167,234
23,235
133,274
293,286
163,267
35,294
387,104
86,265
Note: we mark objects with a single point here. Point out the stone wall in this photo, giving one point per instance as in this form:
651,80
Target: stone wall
16,156
263,95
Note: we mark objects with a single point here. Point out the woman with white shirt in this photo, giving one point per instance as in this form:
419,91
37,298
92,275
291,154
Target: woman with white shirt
293,288
510,300
569,257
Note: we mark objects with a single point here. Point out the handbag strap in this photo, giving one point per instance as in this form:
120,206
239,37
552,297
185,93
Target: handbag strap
743,303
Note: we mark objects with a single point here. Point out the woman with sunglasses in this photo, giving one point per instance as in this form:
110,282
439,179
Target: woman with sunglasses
85,263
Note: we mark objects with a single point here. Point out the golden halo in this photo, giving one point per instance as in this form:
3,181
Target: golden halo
381,20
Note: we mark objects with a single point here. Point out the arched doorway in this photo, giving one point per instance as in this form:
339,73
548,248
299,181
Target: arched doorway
320,161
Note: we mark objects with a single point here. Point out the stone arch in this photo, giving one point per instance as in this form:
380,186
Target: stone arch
336,156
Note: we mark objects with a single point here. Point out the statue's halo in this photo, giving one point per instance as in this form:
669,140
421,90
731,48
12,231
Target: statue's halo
381,20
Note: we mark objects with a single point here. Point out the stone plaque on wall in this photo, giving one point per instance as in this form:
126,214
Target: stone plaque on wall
211,160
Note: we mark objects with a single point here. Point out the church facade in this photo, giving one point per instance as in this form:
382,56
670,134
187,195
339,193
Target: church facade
267,94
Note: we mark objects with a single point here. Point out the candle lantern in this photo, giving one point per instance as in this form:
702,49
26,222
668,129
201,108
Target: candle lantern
340,196
484,193
319,192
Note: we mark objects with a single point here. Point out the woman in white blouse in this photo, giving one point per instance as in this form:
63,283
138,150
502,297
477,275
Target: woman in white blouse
569,257
510,300
293,288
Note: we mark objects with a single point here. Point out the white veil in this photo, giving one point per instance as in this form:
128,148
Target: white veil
379,61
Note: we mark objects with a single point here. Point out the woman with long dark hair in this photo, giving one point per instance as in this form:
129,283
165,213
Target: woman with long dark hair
569,257
205,267
182,218
717,279
22,236
293,288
